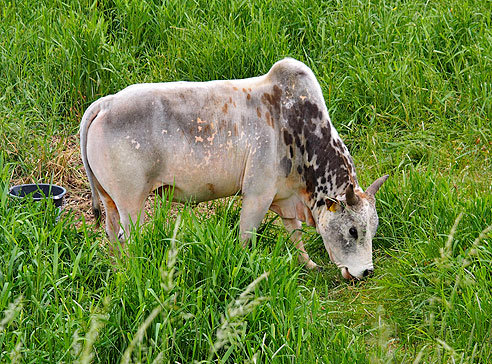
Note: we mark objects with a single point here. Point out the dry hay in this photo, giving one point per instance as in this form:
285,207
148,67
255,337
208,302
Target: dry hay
66,169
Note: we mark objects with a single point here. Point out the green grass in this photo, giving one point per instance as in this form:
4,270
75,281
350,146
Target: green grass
408,86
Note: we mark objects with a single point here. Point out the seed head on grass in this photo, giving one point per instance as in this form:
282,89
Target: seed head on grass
384,340
447,250
15,354
76,347
233,324
167,283
137,339
11,312
167,275
8,316
456,267
98,320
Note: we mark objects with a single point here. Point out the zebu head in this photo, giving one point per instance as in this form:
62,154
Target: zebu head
347,228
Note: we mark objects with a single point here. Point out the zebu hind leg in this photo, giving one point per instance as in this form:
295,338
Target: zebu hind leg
126,206
132,216
112,216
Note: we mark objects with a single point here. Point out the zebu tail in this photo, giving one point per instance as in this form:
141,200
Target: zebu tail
90,114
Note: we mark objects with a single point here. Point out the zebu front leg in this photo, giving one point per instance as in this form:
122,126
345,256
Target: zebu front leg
294,226
253,211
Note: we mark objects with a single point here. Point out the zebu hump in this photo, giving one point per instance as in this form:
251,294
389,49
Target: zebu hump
313,147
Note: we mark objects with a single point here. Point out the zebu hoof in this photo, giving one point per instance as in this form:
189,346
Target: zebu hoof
313,266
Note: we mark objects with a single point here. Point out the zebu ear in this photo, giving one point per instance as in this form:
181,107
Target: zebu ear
372,189
332,204
350,196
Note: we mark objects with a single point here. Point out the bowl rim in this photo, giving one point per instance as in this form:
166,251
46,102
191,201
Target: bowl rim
53,197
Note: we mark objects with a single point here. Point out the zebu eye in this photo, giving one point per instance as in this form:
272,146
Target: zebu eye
353,232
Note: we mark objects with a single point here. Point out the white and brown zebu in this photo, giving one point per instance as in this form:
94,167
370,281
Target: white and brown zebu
269,138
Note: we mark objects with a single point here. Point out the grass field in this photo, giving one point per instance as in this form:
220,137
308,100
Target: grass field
409,88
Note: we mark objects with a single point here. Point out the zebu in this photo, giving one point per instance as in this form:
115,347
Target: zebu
268,137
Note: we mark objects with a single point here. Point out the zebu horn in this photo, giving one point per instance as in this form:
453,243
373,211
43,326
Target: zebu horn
372,189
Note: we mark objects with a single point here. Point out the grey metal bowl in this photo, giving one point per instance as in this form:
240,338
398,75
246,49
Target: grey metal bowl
39,191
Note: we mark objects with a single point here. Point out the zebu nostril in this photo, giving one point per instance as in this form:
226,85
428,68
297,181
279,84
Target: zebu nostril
368,272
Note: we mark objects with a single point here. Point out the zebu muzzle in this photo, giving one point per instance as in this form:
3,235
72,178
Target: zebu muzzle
354,272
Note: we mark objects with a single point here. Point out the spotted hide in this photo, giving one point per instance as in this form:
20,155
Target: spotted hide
269,138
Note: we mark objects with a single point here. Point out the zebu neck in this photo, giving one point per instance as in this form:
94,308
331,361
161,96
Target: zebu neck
320,158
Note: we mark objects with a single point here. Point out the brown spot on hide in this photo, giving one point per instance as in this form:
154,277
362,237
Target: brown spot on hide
364,195
211,188
304,214
258,112
234,88
273,100
235,130
206,128
269,119
244,90
248,97
300,215
286,165
224,108
287,138
309,218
